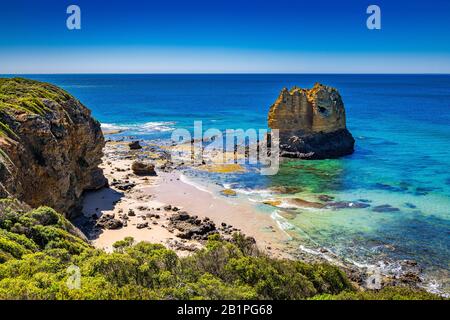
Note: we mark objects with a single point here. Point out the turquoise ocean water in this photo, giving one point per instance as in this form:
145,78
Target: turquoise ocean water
402,160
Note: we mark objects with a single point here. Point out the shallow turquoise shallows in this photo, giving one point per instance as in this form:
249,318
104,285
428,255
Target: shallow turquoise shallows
401,124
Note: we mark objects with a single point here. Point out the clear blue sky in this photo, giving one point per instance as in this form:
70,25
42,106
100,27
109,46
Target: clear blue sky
225,36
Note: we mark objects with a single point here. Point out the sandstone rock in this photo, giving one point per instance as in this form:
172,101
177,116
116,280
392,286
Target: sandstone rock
143,168
311,123
50,146
273,203
228,192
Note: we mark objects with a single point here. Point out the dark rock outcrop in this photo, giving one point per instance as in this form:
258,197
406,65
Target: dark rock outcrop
134,145
108,221
50,146
143,168
191,227
311,123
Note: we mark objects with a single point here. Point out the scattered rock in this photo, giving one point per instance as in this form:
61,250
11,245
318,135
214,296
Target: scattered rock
124,186
143,168
385,208
273,203
384,186
410,205
134,145
142,225
177,245
191,227
347,204
108,221
304,203
286,190
228,192
325,198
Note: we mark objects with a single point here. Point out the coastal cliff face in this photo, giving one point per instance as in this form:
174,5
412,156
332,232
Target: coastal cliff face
311,123
50,146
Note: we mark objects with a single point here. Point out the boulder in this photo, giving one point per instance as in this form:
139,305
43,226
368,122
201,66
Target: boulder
142,225
228,193
108,221
191,227
124,186
134,145
311,123
143,168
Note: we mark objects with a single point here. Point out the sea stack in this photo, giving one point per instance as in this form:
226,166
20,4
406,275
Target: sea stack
311,123
50,146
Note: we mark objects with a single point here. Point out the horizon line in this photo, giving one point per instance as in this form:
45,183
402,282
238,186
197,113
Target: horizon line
223,73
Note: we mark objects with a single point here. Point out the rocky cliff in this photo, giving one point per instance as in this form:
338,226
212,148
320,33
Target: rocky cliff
50,146
311,123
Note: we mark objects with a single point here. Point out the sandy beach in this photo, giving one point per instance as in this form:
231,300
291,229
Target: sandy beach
169,208
142,204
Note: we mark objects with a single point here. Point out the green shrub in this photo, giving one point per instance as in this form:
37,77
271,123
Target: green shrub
38,246
13,248
119,269
121,245
387,293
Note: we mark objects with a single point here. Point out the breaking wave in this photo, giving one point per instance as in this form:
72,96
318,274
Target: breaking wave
147,127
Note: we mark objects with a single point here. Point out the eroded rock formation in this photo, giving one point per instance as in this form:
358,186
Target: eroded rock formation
50,146
311,123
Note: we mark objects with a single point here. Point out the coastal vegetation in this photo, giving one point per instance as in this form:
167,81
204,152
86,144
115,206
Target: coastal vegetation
39,247
55,157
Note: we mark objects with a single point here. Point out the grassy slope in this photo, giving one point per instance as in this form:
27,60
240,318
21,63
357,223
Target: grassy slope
38,246
18,94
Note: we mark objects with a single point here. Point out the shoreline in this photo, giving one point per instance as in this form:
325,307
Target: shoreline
149,196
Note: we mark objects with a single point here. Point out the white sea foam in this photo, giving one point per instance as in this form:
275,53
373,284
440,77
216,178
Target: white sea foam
318,253
262,193
282,223
435,287
196,185
147,127
112,126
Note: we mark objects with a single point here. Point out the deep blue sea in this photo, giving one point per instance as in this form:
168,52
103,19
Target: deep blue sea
401,124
